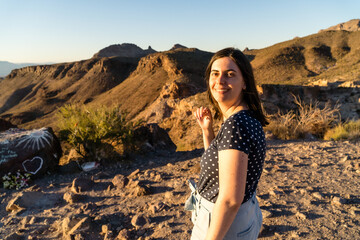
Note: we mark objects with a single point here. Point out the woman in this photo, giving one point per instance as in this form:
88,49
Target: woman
232,163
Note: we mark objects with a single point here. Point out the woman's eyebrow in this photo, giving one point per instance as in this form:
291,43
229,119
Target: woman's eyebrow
227,70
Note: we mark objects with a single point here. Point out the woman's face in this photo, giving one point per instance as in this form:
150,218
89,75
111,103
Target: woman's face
226,82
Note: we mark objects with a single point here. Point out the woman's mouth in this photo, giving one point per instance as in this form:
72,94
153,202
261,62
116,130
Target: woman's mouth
221,90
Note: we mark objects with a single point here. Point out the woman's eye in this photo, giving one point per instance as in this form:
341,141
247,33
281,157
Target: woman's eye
231,74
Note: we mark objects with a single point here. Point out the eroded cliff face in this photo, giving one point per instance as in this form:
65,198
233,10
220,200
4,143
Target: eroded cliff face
39,90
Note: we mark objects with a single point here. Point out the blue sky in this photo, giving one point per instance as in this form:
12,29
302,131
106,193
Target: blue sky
70,30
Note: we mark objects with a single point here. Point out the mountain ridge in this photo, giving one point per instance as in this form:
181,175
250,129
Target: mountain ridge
165,87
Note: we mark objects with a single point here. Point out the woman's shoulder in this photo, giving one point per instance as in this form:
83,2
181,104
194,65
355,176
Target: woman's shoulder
242,117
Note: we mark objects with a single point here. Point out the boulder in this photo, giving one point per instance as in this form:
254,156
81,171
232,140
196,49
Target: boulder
81,185
30,151
154,138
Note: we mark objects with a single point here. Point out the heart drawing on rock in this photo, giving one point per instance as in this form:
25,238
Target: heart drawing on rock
34,165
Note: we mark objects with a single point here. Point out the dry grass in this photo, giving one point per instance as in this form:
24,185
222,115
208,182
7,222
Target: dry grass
308,119
349,130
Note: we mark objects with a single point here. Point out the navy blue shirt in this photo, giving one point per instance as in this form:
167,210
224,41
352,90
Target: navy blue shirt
241,132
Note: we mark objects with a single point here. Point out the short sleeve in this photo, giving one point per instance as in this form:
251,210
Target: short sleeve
234,135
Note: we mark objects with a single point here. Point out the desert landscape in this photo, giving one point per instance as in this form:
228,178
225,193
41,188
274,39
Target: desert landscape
309,187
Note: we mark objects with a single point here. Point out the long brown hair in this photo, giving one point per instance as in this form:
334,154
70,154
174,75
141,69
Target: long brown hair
250,94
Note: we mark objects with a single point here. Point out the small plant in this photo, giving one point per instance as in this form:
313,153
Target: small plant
308,119
349,130
87,128
16,181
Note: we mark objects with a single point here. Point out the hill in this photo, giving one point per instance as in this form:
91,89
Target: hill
330,55
32,92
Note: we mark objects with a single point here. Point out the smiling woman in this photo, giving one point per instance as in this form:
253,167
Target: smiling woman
226,84
224,204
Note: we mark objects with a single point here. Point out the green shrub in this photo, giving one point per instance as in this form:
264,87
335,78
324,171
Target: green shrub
308,119
349,130
87,128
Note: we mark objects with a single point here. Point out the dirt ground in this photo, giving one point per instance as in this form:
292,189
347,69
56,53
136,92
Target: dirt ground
308,190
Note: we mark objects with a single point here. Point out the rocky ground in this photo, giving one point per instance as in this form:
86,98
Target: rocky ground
309,190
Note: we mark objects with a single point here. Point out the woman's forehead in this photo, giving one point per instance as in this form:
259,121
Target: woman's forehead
224,63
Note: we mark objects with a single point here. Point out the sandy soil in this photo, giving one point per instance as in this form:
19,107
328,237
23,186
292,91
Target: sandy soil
308,190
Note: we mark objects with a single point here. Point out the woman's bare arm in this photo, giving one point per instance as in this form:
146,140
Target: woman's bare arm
232,180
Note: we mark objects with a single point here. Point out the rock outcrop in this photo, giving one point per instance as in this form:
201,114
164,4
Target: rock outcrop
177,46
351,26
124,50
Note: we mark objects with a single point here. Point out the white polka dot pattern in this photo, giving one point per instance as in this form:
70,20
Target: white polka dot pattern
241,132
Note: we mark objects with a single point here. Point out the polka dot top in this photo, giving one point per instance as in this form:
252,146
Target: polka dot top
241,132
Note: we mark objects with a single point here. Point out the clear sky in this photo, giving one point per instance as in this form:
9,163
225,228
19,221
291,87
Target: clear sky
41,31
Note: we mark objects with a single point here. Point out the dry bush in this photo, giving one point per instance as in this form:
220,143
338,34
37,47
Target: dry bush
308,119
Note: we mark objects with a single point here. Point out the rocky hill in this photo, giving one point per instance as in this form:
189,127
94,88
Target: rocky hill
165,87
124,50
351,26
330,55
32,92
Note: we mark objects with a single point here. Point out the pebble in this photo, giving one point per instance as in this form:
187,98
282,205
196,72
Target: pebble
266,213
81,184
300,215
158,178
337,201
139,221
71,197
120,181
317,195
133,174
314,165
156,207
124,234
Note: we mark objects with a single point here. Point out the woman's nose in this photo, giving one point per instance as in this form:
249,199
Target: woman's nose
221,78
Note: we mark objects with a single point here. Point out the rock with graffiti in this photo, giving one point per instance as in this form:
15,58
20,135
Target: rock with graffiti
29,151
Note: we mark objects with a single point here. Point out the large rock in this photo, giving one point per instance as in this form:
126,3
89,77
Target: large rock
31,151
154,137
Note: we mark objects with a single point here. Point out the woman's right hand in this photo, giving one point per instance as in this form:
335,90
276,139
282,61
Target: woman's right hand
204,118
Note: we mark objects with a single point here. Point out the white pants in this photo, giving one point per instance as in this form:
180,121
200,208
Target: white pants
246,224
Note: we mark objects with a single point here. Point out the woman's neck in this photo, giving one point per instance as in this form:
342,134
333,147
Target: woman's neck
227,112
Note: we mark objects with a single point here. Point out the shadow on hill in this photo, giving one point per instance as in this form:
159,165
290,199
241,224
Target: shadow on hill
16,97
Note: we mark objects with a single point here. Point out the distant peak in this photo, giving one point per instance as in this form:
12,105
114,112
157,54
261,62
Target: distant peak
351,26
124,50
177,46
